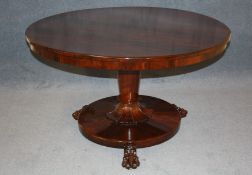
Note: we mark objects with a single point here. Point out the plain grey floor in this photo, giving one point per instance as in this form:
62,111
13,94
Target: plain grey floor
38,135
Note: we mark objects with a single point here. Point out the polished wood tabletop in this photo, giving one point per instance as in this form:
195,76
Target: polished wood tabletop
128,38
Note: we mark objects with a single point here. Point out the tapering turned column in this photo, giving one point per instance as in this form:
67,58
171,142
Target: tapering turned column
128,82
128,111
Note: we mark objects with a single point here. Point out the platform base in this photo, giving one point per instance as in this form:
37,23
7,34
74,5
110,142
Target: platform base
162,123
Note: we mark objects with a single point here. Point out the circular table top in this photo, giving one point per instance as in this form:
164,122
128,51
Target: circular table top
128,38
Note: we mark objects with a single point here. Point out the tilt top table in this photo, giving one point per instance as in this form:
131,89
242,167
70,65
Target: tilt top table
129,39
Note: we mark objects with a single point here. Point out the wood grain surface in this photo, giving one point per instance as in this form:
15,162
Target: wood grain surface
128,38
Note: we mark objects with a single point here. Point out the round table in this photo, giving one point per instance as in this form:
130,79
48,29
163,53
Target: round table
129,40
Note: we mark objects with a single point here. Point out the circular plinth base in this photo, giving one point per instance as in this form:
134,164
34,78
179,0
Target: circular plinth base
163,123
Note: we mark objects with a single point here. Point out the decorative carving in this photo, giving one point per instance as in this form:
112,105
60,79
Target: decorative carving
77,113
130,158
182,112
128,114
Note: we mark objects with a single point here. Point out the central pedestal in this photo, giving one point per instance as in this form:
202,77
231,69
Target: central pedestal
129,121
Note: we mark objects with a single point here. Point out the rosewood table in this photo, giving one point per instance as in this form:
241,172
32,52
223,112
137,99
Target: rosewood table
129,40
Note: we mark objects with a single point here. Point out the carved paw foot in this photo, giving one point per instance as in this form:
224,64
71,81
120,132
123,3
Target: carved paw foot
182,112
85,108
130,158
76,114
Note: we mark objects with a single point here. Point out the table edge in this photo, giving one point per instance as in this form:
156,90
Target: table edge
133,63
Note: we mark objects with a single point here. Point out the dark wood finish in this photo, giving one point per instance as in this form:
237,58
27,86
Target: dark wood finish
128,111
163,122
129,39
126,38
